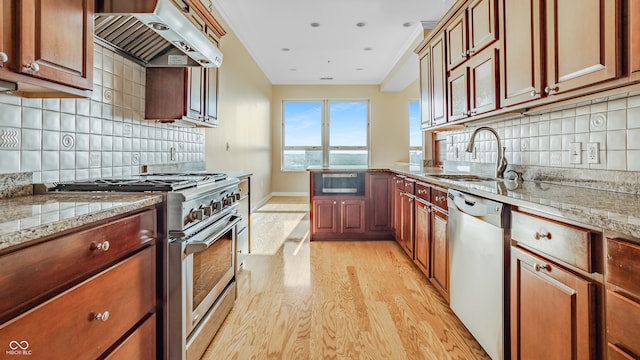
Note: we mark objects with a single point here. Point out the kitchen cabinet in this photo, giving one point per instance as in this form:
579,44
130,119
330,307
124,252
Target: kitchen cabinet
422,228
555,289
581,46
471,31
89,288
623,298
398,181
553,312
47,57
433,84
187,95
339,216
634,38
473,88
440,243
379,204
406,223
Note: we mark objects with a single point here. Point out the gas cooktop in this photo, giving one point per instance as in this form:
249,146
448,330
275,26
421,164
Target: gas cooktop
146,182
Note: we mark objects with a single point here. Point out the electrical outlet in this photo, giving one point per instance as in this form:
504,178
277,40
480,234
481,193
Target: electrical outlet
593,153
575,153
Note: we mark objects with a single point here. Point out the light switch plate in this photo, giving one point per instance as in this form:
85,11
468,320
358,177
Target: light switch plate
575,153
593,153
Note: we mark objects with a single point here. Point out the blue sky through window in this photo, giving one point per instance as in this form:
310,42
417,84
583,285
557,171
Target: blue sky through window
348,123
415,134
304,123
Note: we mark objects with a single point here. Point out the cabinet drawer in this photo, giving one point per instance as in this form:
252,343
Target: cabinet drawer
423,191
615,353
439,198
89,318
139,345
399,181
567,243
623,265
623,323
409,186
40,271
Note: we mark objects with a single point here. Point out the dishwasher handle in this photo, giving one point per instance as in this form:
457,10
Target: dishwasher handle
486,210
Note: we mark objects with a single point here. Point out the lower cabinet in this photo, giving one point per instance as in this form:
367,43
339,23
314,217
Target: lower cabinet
407,228
440,252
553,313
422,249
338,217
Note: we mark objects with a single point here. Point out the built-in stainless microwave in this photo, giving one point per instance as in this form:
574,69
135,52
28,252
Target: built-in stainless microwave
338,183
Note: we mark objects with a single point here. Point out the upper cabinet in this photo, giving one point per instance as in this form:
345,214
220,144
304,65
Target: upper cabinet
471,31
634,38
582,43
433,83
47,47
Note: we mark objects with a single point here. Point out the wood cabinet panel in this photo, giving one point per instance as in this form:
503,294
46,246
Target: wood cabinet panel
352,216
397,213
458,94
406,233
91,316
582,43
426,89
139,345
380,202
195,93
552,311
439,198
423,191
634,38
483,83
482,25
325,217
623,265
570,244
623,323
422,250
456,34
440,252
40,271
58,37
439,82
615,353
521,51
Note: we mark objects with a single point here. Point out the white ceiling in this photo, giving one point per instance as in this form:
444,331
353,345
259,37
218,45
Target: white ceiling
337,48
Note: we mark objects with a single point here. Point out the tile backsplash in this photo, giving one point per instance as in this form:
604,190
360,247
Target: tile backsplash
77,139
548,139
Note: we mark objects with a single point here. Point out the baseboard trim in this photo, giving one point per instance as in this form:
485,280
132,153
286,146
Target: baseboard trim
290,194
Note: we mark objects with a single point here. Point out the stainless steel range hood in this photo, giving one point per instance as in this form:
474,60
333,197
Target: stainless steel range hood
154,33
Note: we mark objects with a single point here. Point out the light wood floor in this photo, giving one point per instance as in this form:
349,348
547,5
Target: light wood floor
337,300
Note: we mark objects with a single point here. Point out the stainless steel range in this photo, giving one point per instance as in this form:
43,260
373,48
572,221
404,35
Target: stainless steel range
197,259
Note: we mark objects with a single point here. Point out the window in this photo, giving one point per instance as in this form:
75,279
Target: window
325,133
415,136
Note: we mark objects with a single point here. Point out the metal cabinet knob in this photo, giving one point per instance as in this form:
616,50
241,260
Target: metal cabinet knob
534,93
539,267
102,316
551,90
33,67
540,235
3,57
104,246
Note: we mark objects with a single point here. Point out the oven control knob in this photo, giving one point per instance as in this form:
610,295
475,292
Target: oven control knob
216,205
196,214
237,196
208,210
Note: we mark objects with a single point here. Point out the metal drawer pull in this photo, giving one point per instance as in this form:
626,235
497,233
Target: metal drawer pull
104,246
538,267
441,198
33,67
540,235
102,316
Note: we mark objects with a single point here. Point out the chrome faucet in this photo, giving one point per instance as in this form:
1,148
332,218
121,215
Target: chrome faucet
501,162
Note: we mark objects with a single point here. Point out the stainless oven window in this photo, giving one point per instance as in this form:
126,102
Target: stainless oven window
210,266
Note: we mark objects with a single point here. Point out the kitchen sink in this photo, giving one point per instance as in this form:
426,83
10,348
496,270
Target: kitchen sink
462,177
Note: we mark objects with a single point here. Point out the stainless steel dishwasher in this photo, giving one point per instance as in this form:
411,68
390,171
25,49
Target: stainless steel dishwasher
479,271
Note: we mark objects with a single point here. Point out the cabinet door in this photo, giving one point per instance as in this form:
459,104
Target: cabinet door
6,33
56,41
634,37
439,82
196,94
426,92
459,94
211,101
440,252
325,216
483,82
352,216
482,25
407,225
457,41
521,55
582,43
422,252
380,204
552,311
397,212
139,345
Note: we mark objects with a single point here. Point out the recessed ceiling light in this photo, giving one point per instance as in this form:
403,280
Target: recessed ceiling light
368,49
359,69
326,78
292,69
315,24
408,24
285,49
159,26
361,24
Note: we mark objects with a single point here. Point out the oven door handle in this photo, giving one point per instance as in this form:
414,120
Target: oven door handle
201,241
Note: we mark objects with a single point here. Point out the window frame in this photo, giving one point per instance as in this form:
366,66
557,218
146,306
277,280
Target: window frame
325,140
419,148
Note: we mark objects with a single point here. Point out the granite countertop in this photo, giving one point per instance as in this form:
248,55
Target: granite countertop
31,217
602,209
